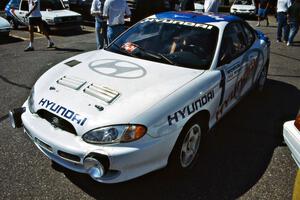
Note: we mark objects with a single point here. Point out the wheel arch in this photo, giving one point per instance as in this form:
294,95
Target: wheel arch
202,118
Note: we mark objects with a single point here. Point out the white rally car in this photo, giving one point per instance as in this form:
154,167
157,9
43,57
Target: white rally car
146,100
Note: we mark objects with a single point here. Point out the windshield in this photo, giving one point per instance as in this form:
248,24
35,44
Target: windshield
243,2
184,44
51,5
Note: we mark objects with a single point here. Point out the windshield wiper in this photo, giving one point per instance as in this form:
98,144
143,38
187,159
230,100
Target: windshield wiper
158,56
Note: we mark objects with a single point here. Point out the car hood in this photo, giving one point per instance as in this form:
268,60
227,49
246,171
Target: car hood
59,13
4,23
106,88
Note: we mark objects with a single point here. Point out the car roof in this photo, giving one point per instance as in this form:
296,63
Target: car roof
195,17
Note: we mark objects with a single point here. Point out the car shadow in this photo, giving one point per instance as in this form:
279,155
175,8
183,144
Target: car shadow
234,158
9,39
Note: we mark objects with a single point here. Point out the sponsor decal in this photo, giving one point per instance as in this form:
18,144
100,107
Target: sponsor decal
63,112
251,67
190,109
171,21
118,68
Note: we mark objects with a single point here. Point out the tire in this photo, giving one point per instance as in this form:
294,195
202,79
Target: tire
262,79
186,150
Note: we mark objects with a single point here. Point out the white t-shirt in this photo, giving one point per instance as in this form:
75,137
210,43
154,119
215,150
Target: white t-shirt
115,10
36,12
211,6
283,5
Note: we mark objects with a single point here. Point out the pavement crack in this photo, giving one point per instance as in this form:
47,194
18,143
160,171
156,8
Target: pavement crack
15,84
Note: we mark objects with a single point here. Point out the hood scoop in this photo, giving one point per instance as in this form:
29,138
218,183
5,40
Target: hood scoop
71,82
101,92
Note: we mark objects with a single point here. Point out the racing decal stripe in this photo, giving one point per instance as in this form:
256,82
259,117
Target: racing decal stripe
222,86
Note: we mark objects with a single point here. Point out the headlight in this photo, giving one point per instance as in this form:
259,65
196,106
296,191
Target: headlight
115,134
31,101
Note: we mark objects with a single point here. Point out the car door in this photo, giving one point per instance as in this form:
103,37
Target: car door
252,60
22,11
230,65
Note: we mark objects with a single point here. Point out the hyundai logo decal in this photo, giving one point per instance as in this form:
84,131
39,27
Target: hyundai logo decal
118,68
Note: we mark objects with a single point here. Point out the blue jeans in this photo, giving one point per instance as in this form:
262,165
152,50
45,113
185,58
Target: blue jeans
101,37
282,24
114,31
294,27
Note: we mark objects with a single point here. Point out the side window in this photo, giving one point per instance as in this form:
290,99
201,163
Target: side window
233,43
239,41
250,36
24,5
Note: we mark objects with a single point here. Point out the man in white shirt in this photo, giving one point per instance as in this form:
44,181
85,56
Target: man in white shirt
35,19
282,8
211,6
115,11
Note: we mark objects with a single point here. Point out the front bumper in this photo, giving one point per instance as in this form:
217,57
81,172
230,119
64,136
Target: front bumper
243,13
64,25
292,139
126,160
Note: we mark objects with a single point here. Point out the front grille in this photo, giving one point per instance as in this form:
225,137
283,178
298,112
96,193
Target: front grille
57,121
69,19
69,156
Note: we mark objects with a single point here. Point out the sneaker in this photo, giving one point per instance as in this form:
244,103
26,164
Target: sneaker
288,44
278,41
258,24
29,48
50,45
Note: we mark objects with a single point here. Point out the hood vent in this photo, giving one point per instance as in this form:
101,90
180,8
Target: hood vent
72,63
101,92
71,82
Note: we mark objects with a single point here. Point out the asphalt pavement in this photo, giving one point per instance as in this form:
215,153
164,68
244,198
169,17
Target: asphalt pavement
244,158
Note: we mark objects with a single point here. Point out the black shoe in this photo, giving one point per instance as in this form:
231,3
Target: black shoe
29,48
50,45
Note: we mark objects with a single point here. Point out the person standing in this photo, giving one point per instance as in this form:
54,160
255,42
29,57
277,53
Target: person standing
211,6
115,11
100,23
35,19
187,5
294,21
263,12
282,8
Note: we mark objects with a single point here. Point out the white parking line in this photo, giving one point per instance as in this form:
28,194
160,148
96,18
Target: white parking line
27,39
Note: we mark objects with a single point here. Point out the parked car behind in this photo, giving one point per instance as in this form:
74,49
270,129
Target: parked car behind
53,13
199,7
243,8
4,28
291,134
